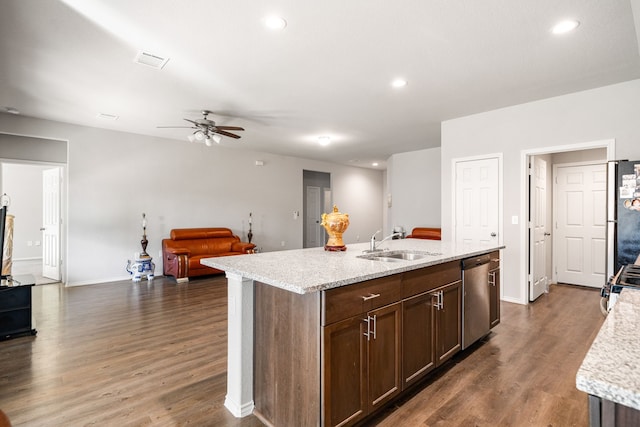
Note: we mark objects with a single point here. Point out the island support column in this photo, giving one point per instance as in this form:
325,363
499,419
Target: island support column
239,399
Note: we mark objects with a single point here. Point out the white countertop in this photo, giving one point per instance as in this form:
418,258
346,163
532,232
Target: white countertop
310,270
611,368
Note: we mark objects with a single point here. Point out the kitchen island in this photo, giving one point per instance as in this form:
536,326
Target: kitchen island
610,372
311,324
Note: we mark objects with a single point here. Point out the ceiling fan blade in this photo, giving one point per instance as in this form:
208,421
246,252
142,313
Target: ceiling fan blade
229,134
175,127
229,128
192,121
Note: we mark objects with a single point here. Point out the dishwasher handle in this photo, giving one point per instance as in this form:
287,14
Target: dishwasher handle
475,261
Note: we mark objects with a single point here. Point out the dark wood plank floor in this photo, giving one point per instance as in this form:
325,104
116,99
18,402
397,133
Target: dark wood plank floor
135,354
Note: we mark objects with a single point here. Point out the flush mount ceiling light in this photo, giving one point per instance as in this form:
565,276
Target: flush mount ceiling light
324,140
274,22
565,26
12,110
398,83
374,164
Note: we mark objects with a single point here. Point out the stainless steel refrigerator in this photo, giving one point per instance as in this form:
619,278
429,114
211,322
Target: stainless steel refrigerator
623,214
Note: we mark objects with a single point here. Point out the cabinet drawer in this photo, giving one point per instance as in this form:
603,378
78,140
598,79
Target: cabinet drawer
17,297
346,301
425,279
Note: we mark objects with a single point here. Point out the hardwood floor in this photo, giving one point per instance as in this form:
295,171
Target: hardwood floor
135,354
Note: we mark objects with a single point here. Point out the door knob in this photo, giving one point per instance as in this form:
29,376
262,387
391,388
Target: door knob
547,234
42,228
493,234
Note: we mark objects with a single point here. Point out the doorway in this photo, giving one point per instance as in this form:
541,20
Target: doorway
541,259
316,200
35,192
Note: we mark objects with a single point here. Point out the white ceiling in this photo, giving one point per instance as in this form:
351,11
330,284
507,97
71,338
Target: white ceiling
327,73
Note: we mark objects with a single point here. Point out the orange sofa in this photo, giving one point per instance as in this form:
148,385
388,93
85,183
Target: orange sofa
426,233
181,254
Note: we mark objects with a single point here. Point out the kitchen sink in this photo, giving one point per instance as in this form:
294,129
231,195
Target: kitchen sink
392,256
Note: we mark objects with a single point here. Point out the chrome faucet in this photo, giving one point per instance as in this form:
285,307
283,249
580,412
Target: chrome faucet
372,242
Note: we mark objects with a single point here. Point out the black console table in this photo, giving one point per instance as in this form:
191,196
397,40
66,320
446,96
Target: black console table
15,307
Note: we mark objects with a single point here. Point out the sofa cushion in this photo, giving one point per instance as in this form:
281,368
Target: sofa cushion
199,233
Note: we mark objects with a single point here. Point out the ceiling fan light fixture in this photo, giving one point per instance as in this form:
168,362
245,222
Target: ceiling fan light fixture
199,135
217,138
208,142
192,138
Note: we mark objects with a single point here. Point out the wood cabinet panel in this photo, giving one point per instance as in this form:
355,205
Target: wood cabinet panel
344,372
425,279
449,322
384,349
344,302
418,343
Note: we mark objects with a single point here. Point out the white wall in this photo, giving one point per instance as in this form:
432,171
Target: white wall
113,177
609,112
26,206
413,180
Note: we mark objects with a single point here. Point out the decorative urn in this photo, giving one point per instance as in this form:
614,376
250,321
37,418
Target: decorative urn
335,223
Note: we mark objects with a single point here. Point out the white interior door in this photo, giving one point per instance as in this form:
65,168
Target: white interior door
51,223
580,221
538,282
477,201
312,214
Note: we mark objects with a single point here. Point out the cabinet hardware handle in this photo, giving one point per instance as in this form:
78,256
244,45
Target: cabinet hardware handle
366,334
370,296
495,259
437,303
441,300
374,326
492,278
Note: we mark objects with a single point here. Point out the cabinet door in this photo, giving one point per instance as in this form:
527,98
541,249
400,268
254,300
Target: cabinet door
494,297
418,337
344,394
449,322
384,354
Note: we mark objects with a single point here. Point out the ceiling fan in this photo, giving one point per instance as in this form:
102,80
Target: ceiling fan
206,130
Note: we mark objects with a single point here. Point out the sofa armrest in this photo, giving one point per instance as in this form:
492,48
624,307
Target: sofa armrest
243,247
178,251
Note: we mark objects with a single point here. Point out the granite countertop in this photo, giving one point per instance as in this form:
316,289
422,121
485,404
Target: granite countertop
611,368
311,270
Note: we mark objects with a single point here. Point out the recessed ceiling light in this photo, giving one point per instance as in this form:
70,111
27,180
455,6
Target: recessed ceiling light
324,140
374,164
274,22
565,26
12,110
399,83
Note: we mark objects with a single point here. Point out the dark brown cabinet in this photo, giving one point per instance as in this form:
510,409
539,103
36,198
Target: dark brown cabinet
448,322
494,289
371,340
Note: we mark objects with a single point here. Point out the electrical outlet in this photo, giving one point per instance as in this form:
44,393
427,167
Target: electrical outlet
282,243
37,242
29,243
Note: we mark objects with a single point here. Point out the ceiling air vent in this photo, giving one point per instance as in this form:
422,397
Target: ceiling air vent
150,60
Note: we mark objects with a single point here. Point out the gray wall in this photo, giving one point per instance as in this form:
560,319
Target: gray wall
609,112
413,180
23,183
112,177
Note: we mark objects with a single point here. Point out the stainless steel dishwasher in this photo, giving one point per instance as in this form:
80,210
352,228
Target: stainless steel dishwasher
475,302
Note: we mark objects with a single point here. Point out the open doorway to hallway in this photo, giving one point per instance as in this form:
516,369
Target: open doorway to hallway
566,203
316,200
34,189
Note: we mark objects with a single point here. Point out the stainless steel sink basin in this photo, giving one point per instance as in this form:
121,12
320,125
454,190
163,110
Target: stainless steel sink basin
392,256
